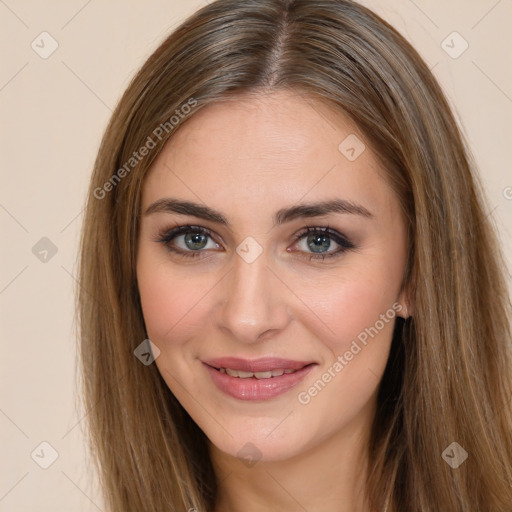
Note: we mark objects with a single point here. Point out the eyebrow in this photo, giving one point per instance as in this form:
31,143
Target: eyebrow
171,205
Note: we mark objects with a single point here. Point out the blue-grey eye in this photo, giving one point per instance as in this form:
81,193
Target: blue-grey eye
318,242
195,241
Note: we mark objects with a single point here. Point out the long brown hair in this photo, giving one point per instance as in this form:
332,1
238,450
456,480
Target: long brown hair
448,378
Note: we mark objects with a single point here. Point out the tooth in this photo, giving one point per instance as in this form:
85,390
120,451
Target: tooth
239,373
259,375
263,375
245,375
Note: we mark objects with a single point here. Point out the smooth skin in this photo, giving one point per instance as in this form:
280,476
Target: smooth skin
248,158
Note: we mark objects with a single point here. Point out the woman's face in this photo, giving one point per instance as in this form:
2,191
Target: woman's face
306,317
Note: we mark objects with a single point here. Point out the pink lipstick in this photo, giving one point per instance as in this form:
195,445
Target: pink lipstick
257,379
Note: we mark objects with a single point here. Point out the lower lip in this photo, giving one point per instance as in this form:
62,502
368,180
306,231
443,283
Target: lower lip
257,389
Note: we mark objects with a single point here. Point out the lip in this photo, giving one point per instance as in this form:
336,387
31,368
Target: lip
253,389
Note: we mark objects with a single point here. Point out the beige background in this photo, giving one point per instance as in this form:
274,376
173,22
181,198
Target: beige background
53,113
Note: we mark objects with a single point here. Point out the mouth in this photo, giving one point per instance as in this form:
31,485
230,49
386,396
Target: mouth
240,374
259,379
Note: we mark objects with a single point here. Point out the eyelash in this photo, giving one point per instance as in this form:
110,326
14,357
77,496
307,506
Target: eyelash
167,235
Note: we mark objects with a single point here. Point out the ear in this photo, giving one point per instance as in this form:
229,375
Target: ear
407,307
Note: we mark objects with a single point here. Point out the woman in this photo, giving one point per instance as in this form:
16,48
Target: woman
291,298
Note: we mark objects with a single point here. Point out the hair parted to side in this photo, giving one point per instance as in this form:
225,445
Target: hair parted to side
449,373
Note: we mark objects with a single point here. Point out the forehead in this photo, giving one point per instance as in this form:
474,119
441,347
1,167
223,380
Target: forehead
269,149
281,126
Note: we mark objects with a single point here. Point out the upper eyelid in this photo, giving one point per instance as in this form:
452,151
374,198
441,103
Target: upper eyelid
191,227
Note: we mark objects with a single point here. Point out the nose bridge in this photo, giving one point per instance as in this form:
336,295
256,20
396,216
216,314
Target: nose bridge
252,299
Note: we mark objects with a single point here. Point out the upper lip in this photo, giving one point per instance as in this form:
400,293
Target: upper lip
263,364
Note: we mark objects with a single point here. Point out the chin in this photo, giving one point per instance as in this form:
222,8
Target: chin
258,449
260,439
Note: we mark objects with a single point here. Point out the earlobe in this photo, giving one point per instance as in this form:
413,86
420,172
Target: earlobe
406,309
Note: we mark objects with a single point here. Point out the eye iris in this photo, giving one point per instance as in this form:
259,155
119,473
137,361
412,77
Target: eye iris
196,239
319,242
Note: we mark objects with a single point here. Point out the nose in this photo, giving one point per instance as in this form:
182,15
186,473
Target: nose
253,301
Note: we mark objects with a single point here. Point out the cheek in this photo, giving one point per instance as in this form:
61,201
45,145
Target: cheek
357,309
359,306
361,315
167,299
349,303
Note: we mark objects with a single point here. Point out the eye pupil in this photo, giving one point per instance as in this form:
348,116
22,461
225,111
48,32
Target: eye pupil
319,242
196,239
